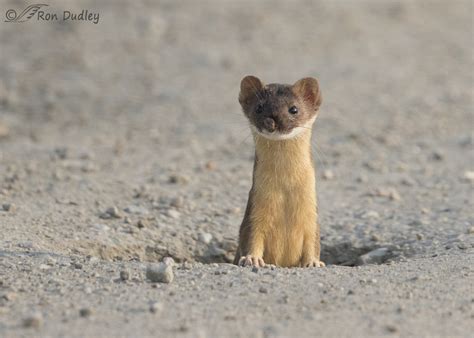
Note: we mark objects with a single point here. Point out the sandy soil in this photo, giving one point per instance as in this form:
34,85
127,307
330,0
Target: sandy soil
122,143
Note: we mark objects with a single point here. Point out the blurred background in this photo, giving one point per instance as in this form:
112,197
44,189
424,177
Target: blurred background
144,103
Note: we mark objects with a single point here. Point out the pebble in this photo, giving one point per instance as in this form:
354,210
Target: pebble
419,237
168,261
408,181
124,275
211,165
156,307
4,131
391,328
175,179
111,212
78,266
9,207
85,312
160,273
328,175
376,238
205,237
10,296
437,156
391,193
101,227
376,256
34,321
175,214
137,210
262,290
254,269
177,202
469,176
142,223
370,214
44,267
470,231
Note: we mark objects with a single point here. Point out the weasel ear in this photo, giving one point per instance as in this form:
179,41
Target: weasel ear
308,90
249,88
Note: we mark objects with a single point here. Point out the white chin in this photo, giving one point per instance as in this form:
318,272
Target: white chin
277,136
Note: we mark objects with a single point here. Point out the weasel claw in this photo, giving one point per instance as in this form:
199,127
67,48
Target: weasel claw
314,264
251,261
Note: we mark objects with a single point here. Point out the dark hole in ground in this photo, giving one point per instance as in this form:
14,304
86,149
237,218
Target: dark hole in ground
345,254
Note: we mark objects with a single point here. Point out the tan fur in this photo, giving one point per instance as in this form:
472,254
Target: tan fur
284,220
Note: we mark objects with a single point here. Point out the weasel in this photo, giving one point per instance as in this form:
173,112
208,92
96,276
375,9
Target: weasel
280,225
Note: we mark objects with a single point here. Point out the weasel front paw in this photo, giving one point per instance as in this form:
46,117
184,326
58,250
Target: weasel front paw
313,263
251,261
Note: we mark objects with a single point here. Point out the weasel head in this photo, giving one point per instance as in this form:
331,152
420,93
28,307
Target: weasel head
280,111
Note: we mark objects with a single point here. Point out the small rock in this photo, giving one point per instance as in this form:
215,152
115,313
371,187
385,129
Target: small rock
168,261
217,251
408,181
469,176
101,227
44,267
124,275
234,211
175,179
112,212
419,237
254,269
156,307
205,237
262,290
376,256
327,175
376,238
142,223
370,214
85,312
9,207
173,213
61,153
78,266
137,210
470,231
4,131
394,195
391,193
211,165
33,321
391,328
51,261
10,296
177,202
437,156
160,273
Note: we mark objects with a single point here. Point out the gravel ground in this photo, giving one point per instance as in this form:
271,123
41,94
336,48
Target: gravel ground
122,143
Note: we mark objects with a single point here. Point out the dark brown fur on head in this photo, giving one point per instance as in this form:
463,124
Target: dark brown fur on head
279,107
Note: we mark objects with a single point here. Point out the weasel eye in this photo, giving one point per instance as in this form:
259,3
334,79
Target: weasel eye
259,109
293,110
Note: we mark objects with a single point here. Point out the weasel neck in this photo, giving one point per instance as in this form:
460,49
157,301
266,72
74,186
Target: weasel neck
288,153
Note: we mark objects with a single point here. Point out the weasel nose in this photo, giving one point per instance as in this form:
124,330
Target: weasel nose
269,124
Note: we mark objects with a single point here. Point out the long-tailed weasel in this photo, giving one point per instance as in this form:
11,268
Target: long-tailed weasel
280,225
